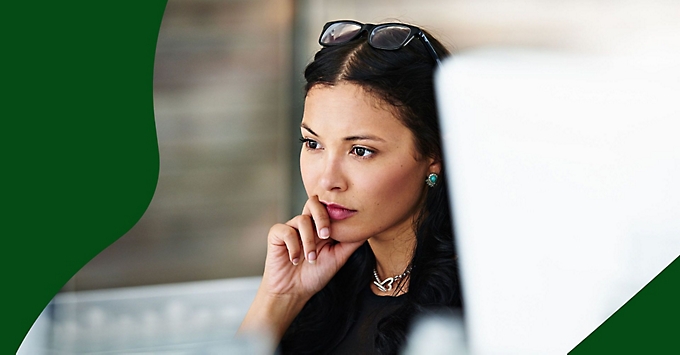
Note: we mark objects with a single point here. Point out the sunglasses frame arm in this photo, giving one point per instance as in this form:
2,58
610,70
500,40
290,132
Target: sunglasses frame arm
428,45
415,32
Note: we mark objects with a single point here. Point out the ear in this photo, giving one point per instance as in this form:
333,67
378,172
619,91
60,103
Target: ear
435,166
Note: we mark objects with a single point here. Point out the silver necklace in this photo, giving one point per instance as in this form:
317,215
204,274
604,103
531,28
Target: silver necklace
386,284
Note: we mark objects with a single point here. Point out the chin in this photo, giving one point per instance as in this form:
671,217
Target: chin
343,234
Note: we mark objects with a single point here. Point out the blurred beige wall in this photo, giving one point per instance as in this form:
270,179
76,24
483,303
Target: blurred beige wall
221,105
583,25
227,92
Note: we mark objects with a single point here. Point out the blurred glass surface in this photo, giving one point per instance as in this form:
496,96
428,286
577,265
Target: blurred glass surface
188,318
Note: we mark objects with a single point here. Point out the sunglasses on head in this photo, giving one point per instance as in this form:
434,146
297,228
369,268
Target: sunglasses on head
386,36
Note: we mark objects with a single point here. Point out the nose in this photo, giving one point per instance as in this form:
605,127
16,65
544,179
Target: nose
333,175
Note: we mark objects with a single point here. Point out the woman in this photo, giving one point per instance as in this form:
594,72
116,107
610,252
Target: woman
373,246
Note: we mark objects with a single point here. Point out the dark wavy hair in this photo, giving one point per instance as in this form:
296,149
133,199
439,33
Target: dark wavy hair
403,80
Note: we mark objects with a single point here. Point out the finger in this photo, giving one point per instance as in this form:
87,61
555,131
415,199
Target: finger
319,214
305,228
336,253
289,236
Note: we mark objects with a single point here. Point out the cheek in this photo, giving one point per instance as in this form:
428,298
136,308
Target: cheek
397,188
309,173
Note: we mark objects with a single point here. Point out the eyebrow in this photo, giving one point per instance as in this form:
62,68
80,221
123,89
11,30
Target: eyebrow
364,138
350,138
308,129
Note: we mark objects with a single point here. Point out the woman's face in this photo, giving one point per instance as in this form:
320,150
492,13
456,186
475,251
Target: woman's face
361,162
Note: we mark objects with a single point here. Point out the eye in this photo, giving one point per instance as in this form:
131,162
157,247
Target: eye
362,152
309,143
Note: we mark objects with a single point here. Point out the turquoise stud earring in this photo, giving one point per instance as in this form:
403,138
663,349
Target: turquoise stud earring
431,180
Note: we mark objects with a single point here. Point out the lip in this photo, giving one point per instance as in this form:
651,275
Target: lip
338,212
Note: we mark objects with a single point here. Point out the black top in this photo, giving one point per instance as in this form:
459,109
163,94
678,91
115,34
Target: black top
361,336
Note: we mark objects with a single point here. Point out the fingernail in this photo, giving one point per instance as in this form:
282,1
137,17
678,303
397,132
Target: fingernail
296,261
311,257
324,233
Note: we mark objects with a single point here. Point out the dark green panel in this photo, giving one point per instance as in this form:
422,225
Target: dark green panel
649,323
79,138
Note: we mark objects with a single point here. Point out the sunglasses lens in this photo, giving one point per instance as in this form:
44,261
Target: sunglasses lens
339,33
389,37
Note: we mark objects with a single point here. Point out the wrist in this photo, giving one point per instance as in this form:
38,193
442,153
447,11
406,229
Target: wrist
272,313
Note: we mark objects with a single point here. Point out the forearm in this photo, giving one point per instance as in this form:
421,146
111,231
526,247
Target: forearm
272,314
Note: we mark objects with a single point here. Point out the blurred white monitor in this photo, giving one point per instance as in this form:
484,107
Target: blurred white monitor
565,182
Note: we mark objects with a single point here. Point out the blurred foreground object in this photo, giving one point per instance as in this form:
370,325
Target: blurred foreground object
437,334
564,171
185,318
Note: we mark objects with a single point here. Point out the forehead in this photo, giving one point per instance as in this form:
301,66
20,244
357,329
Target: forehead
348,109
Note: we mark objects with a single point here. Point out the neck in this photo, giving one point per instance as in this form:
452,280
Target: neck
393,253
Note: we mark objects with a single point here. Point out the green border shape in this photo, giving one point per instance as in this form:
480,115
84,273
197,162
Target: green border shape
79,138
649,323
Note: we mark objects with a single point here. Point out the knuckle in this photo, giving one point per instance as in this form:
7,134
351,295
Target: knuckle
290,233
281,231
303,221
299,219
275,228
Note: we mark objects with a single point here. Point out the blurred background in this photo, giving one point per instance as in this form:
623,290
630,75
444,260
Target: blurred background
228,96
228,101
